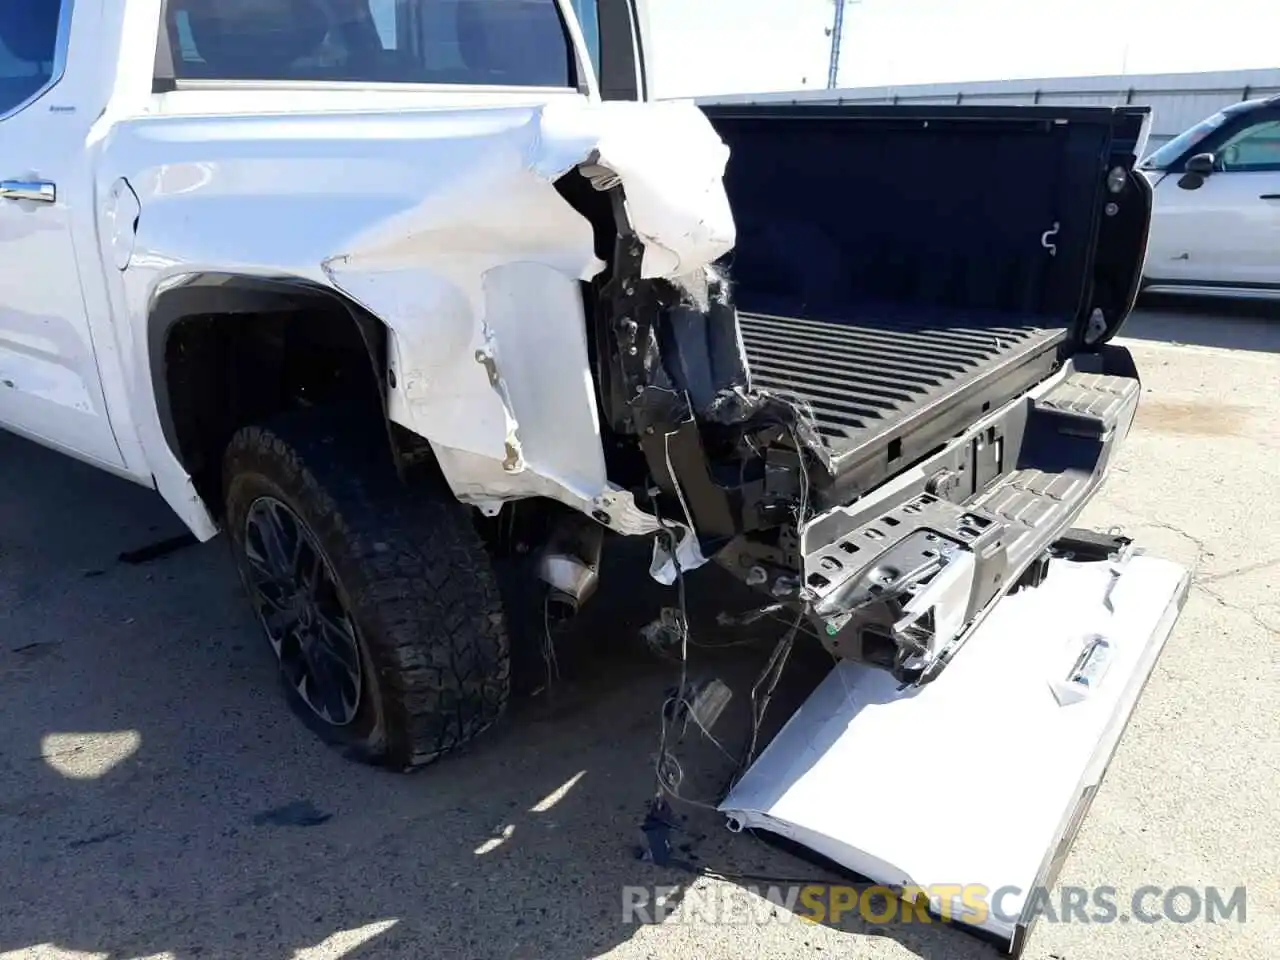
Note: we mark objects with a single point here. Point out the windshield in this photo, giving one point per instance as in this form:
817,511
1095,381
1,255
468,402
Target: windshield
1161,159
1171,151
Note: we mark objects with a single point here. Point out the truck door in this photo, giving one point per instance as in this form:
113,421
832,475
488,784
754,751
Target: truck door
1223,229
49,385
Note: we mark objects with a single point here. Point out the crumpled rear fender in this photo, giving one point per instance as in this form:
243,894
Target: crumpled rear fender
448,227
481,286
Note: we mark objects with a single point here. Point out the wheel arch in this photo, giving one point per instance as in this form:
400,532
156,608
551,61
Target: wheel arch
217,311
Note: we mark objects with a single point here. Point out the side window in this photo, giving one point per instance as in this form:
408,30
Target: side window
1253,149
520,43
28,49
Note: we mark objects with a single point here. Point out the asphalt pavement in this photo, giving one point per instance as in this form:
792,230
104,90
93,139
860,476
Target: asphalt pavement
157,799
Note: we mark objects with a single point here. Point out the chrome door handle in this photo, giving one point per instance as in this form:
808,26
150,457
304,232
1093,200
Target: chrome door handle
41,191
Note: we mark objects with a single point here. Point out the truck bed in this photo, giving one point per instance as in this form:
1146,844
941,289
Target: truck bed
868,378
904,269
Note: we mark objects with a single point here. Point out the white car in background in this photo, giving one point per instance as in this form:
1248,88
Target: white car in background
1215,225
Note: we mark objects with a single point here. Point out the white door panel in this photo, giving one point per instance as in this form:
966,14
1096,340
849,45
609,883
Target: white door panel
1223,228
1223,232
49,384
1173,232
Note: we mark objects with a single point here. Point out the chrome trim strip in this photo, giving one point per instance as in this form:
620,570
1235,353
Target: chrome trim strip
181,84
33,191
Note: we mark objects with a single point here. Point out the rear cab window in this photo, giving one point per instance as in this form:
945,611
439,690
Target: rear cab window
497,43
30,51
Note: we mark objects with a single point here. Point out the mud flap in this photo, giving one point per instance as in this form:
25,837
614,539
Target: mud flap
982,778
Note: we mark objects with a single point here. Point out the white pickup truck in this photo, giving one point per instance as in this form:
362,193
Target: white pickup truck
396,291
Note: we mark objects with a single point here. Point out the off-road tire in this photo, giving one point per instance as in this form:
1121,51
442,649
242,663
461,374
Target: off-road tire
412,572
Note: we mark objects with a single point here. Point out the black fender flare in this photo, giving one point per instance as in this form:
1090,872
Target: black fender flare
230,294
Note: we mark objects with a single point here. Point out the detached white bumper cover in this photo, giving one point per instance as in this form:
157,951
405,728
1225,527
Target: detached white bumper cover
1004,759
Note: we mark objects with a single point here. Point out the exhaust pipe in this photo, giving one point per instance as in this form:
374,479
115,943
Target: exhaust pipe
569,564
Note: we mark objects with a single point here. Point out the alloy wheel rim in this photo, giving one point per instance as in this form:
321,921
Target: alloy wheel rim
301,609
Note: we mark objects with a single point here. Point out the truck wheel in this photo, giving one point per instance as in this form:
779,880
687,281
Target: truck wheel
379,601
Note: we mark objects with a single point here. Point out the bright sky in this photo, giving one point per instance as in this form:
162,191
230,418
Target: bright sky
722,46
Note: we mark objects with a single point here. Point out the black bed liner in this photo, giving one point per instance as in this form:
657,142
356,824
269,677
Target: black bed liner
885,391
868,380
904,270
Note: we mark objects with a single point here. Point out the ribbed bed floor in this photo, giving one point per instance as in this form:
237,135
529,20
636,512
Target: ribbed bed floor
862,378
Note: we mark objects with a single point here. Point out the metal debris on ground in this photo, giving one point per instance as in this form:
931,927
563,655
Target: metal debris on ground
665,633
659,828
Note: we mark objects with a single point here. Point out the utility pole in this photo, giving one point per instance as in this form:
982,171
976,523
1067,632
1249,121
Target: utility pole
837,32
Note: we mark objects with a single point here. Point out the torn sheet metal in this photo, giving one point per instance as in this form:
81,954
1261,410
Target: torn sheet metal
1008,766
671,164
481,286
446,224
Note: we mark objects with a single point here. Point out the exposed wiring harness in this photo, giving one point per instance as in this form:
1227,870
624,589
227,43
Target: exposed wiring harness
667,769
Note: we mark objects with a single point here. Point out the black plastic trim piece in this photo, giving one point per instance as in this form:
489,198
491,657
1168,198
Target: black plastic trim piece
1033,117
1089,545
622,65
163,75
223,294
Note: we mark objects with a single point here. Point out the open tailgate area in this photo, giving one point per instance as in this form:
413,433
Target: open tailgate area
904,269
981,778
899,275
873,381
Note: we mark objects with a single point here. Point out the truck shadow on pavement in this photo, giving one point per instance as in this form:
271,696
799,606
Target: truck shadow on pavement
1223,323
158,799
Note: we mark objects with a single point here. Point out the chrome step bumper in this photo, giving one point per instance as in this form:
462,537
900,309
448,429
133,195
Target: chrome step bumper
902,578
